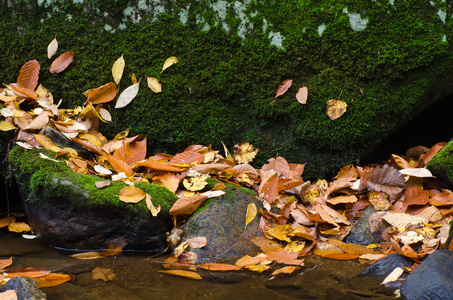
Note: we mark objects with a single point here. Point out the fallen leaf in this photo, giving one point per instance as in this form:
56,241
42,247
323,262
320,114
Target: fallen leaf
249,261
102,184
8,295
285,85
52,48
102,94
393,276
131,194
6,126
336,108
154,84
52,279
197,242
402,219
19,227
379,200
87,255
104,274
127,95
285,270
105,114
117,69
170,61
443,198
186,206
29,74
212,194
302,95
154,210
195,183
251,213
219,267
4,263
39,122
62,62
182,273
417,172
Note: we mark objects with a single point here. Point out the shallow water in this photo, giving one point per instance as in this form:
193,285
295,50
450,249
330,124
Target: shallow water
137,277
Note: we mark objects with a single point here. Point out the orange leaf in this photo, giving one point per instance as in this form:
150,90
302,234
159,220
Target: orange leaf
187,157
132,194
265,244
285,184
62,62
431,152
414,195
160,166
278,164
52,279
119,165
28,272
285,270
170,181
8,294
197,242
336,108
19,227
172,263
29,73
182,273
219,267
286,84
131,152
269,189
6,221
4,263
249,261
302,95
441,199
88,145
284,257
342,199
186,206
401,162
102,94
23,92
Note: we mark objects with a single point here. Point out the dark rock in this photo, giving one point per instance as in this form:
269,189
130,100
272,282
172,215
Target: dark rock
66,210
62,141
26,288
360,232
222,221
383,267
433,279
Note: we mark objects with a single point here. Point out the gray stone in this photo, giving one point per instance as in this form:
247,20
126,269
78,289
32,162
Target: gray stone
360,232
432,280
26,288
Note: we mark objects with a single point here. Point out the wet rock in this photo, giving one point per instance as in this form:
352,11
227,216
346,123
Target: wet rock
360,233
222,221
432,279
385,266
66,210
62,141
26,288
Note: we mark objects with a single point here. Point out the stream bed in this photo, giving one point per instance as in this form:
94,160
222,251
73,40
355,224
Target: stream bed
138,277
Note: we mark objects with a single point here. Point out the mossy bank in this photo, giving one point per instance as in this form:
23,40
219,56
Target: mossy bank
387,60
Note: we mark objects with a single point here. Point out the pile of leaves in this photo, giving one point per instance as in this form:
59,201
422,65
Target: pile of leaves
298,217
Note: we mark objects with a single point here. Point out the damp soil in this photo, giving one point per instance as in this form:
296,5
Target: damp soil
138,277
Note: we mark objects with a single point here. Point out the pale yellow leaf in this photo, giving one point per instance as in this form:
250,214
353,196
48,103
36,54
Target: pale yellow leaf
127,95
52,48
102,170
154,84
417,172
8,295
393,276
117,69
39,122
197,242
154,210
402,219
170,61
6,126
87,255
102,184
105,114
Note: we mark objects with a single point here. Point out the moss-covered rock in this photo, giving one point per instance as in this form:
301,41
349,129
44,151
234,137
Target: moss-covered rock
387,60
66,210
441,165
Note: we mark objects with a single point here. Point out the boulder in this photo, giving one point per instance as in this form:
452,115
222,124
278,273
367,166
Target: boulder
25,288
387,60
441,164
222,221
360,233
66,210
432,279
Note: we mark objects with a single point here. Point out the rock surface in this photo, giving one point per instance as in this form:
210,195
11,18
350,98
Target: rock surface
388,60
66,210
432,279
360,232
222,221
26,288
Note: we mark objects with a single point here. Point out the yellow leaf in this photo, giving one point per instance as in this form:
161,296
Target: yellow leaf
19,227
244,153
251,213
102,94
154,210
154,84
87,255
52,279
52,48
131,194
134,78
280,232
195,183
103,274
182,273
336,108
46,142
6,126
117,69
5,222
170,61
91,138
393,276
295,246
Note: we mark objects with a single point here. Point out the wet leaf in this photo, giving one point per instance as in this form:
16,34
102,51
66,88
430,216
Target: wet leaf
186,206
336,108
154,84
104,274
117,69
52,279
52,48
62,62
249,261
102,94
284,257
132,194
219,267
302,95
127,95
87,255
393,276
251,213
285,270
4,263
19,227
197,242
285,85
182,273
169,62
29,74
153,209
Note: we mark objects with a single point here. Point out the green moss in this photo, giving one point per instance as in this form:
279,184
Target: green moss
223,87
52,179
441,165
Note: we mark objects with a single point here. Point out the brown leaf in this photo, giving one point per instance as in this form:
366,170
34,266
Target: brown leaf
132,194
187,158
401,162
415,195
441,199
131,152
39,122
269,189
160,166
385,179
424,159
29,73
286,84
62,62
219,267
170,181
342,199
284,257
186,206
278,164
182,273
336,108
197,242
23,91
302,95
102,94
209,168
103,274
8,294
119,165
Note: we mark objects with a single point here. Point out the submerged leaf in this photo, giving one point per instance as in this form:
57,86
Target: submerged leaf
182,273
103,274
